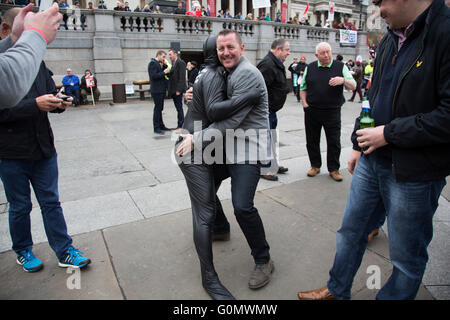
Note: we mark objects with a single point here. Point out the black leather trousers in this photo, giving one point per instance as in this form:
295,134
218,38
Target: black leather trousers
202,192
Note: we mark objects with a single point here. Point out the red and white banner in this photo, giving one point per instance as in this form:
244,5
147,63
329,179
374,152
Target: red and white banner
306,10
90,82
283,12
212,7
331,12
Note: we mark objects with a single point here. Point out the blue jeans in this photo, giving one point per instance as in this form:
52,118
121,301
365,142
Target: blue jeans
410,207
16,176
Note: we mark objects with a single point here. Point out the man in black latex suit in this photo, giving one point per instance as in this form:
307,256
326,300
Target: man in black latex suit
208,106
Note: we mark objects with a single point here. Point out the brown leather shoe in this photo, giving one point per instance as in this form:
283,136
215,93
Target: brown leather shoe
313,172
318,294
372,235
336,175
261,275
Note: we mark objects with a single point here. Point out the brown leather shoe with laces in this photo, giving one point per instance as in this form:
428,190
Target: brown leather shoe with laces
318,294
313,172
336,175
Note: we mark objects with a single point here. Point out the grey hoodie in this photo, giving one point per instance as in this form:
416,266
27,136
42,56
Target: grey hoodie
19,65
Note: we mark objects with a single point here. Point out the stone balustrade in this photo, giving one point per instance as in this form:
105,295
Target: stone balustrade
117,46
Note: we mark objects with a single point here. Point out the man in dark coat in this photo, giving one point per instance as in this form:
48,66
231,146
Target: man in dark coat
274,73
157,71
406,156
28,155
177,84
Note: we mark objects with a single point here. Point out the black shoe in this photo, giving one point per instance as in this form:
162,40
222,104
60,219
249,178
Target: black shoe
350,100
214,288
165,129
159,132
270,177
282,170
222,236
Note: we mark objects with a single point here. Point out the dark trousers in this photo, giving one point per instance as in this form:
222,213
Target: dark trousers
16,176
244,180
358,89
204,202
178,101
158,99
75,93
330,120
296,90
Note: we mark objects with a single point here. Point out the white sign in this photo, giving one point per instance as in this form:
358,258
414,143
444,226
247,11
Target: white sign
348,37
261,4
129,89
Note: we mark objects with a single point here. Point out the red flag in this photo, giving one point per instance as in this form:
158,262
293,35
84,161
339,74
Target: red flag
306,10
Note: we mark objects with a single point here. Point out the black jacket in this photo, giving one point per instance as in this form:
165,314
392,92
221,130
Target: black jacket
274,75
25,131
177,77
419,133
158,81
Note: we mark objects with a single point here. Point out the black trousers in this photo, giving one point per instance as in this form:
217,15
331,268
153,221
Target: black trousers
330,120
158,99
178,102
202,192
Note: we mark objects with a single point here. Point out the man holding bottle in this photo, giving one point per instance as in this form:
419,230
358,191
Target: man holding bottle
402,172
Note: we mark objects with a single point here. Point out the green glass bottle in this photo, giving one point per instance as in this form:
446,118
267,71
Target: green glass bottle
366,120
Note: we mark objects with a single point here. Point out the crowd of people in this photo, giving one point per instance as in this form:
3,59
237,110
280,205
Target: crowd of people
398,166
199,11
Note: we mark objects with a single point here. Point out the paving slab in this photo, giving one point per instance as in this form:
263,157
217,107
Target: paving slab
120,194
81,216
97,281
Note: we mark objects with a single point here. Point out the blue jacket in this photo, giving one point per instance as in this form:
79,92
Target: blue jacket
67,80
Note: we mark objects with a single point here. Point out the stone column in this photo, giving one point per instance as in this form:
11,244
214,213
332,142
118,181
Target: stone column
107,53
231,7
244,8
218,7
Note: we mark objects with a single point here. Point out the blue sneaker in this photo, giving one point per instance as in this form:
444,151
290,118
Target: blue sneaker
72,258
28,261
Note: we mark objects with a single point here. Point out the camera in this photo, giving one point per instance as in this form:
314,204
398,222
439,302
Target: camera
64,98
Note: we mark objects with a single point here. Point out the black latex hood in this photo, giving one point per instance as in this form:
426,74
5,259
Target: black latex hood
210,52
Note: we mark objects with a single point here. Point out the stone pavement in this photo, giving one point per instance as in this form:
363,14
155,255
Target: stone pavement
127,207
